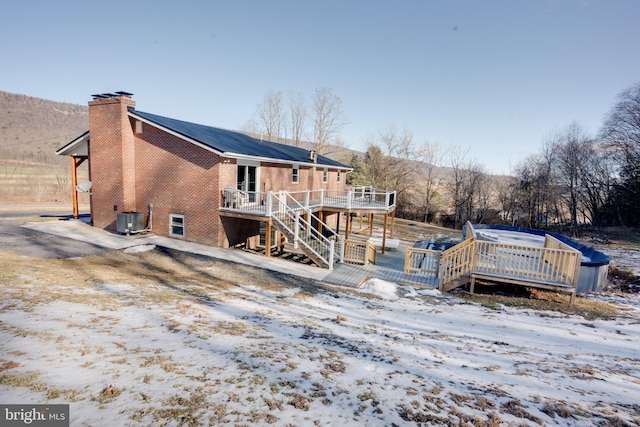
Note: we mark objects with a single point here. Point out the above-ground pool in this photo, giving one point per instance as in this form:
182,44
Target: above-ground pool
593,267
437,244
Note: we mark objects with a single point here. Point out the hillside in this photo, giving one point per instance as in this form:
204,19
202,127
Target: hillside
33,128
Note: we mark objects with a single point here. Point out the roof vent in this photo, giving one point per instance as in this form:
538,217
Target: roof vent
313,156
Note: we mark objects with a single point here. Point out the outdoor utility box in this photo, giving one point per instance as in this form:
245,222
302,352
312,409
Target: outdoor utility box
129,222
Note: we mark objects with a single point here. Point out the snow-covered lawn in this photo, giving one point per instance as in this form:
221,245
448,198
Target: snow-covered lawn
123,353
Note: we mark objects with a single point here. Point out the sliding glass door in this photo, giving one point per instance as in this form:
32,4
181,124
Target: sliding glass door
248,179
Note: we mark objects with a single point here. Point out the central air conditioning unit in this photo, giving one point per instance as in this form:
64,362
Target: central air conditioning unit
129,222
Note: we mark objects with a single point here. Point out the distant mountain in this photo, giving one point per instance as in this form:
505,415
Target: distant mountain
33,128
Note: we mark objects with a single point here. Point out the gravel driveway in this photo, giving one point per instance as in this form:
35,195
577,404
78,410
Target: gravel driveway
28,242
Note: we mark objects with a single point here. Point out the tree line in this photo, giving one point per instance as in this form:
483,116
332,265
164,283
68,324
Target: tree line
293,120
581,179
574,179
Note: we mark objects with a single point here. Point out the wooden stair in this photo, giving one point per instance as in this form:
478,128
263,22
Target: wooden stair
456,283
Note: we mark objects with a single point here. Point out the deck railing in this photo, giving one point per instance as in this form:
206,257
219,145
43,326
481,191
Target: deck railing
457,262
262,203
359,252
545,265
422,261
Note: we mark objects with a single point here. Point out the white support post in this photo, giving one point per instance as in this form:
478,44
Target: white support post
322,197
282,201
296,231
269,204
332,245
341,254
306,200
350,194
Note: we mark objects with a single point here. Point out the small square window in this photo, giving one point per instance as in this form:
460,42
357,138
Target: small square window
295,174
176,225
325,175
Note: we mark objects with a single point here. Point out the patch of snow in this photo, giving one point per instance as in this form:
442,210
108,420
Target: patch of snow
381,288
626,259
430,292
138,248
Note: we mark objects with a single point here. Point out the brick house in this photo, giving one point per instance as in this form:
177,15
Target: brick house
199,183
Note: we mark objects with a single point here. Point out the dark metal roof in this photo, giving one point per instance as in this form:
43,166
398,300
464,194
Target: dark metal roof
233,143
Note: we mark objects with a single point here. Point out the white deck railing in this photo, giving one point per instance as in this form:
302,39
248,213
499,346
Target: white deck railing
290,216
264,203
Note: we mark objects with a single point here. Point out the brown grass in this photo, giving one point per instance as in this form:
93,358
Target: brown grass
536,299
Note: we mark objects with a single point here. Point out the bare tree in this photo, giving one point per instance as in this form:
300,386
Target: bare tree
622,126
430,155
571,156
401,156
622,131
506,195
328,119
465,178
269,116
297,117
484,199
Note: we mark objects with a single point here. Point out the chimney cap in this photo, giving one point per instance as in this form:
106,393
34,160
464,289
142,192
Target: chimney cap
112,95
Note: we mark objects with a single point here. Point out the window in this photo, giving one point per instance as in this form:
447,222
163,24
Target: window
295,178
176,225
325,175
339,175
138,126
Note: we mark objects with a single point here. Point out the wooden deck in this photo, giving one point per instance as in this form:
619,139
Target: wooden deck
555,266
293,214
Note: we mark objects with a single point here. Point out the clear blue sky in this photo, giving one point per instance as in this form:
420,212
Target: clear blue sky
495,76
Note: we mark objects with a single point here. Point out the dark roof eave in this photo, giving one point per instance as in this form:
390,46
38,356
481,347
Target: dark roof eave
70,144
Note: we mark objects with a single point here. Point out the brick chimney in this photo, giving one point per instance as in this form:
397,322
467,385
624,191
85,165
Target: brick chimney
112,157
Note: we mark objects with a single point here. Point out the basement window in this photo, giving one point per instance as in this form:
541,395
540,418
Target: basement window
176,225
295,174
138,126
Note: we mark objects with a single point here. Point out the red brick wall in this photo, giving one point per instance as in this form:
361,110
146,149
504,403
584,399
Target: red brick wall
177,177
276,176
110,139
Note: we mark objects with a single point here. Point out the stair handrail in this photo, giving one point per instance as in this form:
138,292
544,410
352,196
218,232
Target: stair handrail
311,214
457,261
294,215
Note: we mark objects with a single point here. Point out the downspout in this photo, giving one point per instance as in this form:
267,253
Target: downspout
150,218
